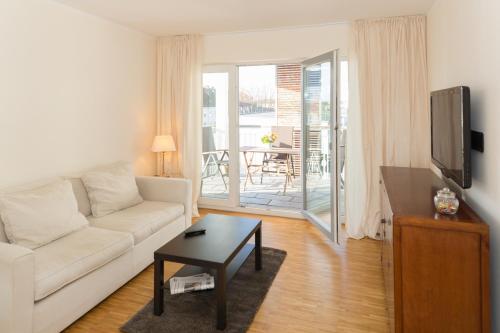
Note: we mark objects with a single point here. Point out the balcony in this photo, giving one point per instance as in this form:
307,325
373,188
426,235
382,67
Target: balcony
268,195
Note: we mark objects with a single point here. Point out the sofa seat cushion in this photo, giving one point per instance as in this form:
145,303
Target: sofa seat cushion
141,220
75,255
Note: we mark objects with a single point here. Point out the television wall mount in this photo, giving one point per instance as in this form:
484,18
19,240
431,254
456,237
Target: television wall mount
477,141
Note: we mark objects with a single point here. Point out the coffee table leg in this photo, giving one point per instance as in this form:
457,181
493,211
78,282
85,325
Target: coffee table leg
221,298
258,249
158,287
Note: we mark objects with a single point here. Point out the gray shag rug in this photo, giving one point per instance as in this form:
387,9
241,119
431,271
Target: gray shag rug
196,312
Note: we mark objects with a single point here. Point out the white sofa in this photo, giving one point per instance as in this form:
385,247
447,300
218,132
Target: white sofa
46,289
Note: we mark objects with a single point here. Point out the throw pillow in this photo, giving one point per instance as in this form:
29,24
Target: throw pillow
111,189
35,217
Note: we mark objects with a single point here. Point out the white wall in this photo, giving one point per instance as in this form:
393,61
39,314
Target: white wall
75,91
464,49
275,45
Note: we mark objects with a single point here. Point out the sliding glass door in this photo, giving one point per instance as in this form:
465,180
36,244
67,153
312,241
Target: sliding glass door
319,148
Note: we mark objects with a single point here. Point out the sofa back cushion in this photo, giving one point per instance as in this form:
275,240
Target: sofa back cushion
33,218
82,198
111,189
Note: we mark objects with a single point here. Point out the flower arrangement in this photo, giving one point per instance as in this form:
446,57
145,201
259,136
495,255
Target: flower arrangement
269,138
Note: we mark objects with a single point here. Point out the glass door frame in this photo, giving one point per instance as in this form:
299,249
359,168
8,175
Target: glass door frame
332,57
232,203
233,198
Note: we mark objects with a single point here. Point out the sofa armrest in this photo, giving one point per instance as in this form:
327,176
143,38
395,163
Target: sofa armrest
17,279
178,190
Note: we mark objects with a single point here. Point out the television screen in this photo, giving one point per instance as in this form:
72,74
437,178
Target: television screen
450,122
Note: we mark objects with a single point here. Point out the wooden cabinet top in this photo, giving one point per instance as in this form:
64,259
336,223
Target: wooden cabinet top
411,194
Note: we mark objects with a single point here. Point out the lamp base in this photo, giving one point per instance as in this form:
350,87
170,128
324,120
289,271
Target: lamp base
164,175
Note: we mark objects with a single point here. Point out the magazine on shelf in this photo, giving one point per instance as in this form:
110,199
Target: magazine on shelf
179,285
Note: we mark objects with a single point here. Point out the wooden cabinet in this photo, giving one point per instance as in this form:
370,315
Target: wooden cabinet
436,267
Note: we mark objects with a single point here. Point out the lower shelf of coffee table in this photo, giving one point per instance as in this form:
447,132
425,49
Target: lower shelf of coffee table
231,269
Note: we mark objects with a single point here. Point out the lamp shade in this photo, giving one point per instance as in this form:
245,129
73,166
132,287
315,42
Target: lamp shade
163,143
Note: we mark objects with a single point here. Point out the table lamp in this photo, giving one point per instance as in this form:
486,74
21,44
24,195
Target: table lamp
163,144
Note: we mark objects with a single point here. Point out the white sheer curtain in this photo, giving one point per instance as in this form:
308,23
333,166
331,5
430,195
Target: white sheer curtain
388,113
179,104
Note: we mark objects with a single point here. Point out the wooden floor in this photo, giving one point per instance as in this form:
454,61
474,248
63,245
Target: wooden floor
320,287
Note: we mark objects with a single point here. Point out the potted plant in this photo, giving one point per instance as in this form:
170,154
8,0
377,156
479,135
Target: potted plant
269,139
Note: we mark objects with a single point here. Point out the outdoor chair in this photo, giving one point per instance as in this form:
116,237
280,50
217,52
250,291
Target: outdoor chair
215,161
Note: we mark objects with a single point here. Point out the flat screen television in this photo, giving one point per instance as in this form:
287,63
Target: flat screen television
451,133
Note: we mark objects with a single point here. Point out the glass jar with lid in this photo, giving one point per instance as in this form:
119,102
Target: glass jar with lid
446,202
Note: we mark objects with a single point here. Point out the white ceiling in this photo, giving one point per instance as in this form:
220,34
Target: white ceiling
163,17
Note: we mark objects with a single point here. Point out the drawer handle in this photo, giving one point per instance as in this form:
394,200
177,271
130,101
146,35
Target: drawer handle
382,221
389,222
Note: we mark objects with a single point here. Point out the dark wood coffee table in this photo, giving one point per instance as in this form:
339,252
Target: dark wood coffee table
220,252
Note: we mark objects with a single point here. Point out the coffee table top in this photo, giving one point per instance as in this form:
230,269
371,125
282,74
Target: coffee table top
225,236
